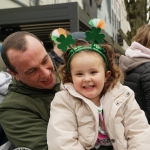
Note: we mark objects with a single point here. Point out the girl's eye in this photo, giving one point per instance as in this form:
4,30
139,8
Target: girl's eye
79,74
93,72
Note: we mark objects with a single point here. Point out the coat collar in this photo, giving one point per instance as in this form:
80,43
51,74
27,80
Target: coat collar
114,99
70,88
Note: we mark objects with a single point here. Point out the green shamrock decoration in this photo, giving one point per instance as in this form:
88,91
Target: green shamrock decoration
65,42
54,38
94,35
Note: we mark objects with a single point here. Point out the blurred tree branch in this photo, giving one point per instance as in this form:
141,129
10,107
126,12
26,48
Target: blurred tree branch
137,11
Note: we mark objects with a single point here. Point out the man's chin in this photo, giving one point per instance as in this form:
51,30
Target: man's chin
52,84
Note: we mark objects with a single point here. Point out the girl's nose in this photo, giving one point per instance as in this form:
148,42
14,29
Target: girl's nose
87,78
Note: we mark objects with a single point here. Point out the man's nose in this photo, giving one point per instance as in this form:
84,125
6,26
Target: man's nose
44,72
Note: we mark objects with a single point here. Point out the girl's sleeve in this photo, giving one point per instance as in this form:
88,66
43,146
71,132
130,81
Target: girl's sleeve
62,132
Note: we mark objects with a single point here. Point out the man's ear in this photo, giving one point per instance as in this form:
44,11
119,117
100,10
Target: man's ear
10,72
13,74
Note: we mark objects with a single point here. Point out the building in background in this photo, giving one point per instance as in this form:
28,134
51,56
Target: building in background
113,12
28,3
40,17
104,13
124,25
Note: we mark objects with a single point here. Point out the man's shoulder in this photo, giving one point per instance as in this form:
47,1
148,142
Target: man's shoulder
21,98
17,101
19,91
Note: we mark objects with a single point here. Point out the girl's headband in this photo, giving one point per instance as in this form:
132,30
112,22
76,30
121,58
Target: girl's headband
93,35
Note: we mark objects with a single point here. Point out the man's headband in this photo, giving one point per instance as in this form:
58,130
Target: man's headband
93,35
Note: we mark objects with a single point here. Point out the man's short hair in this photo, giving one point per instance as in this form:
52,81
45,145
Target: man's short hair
16,41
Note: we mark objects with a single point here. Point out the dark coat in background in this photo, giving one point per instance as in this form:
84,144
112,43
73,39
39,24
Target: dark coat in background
136,66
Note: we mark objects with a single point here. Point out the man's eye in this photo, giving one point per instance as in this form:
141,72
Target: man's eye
31,71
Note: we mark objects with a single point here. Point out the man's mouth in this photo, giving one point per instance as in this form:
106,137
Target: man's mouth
48,80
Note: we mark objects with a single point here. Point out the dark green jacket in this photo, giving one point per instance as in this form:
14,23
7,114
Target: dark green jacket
24,115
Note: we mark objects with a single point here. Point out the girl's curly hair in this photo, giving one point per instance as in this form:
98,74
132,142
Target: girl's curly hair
116,73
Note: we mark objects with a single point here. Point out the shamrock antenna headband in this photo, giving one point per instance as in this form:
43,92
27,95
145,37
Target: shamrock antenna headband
93,35
56,33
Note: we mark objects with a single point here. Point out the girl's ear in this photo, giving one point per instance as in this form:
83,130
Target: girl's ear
108,73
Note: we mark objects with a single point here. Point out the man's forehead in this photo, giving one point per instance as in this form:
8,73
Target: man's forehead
27,57
31,39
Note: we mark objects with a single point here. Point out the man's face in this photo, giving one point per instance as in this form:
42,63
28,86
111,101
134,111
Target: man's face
34,67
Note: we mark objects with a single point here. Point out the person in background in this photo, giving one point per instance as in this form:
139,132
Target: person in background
0,47
136,66
94,110
79,37
57,54
5,79
24,112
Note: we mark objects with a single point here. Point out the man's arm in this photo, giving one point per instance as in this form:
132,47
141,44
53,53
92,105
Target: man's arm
24,128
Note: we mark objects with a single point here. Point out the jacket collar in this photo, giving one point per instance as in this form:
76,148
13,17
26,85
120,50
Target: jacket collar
109,97
114,99
20,87
70,88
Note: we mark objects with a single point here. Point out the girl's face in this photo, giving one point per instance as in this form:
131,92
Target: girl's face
88,75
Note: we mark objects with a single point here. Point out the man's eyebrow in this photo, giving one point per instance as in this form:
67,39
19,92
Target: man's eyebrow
28,70
45,57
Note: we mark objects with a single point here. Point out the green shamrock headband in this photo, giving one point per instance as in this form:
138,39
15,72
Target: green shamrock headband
93,35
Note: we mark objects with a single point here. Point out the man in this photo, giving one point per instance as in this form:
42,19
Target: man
24,113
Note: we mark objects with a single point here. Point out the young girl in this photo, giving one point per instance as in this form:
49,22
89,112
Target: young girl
94,110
